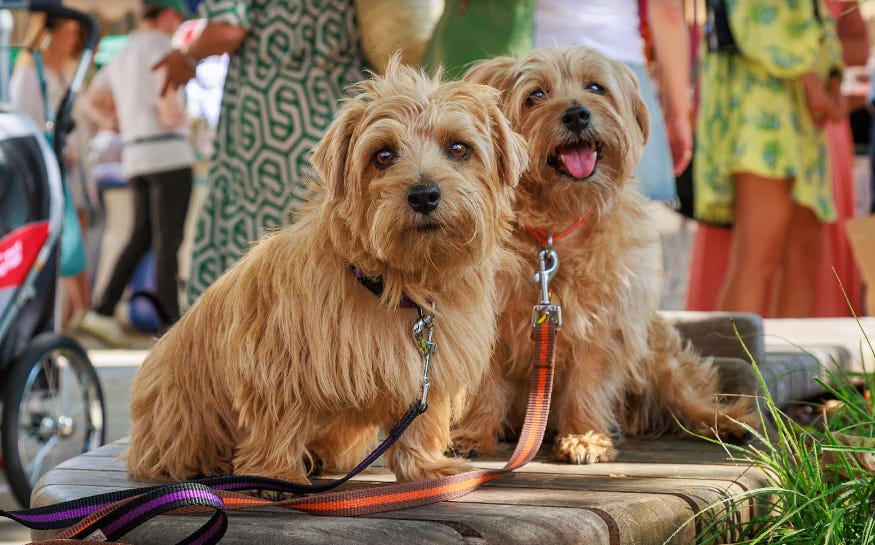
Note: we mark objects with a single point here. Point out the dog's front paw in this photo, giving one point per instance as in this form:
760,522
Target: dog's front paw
439,468
469,445
587,448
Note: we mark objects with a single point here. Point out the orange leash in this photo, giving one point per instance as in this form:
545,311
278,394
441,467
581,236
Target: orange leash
415,494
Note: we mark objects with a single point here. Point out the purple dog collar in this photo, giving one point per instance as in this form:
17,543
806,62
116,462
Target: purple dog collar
375,286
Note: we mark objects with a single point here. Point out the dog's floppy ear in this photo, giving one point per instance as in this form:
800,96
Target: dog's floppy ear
511,149
496,72
633,97
331,154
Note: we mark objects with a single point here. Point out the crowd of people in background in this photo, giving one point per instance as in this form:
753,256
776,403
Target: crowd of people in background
761,124
156,160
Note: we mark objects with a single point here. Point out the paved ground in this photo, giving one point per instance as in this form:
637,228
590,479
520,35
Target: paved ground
116,370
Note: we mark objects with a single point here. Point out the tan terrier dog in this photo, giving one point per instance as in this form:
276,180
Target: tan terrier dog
291,358
618,363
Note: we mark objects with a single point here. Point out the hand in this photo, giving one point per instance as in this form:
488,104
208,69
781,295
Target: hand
177,71
70,159
817,98
680,140
838,103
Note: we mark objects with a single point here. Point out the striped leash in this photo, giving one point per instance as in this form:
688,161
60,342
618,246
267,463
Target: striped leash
107,517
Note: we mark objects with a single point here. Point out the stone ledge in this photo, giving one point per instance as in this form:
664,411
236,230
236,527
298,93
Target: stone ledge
791,353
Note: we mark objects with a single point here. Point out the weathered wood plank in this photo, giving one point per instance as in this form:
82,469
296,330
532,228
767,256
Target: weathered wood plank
487,521
654,489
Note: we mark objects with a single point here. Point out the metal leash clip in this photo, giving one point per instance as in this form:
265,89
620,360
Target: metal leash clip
548,264
423,335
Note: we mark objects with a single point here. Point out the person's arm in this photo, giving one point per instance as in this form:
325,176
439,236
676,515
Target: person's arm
97,103
169,108
215,39
26,95
852,32
671,44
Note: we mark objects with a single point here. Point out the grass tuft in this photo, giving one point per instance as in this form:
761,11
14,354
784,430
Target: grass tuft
821,477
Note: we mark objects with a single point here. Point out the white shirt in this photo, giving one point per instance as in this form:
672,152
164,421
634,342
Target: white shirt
26,95
136,91
610,26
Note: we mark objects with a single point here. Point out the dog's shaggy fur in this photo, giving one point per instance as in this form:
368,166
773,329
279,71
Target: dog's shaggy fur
619,365
287,360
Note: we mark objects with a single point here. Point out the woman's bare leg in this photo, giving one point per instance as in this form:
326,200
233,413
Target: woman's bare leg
795,284
763,214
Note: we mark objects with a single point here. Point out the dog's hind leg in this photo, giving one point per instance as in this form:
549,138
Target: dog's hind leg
684,387
171,435
486,416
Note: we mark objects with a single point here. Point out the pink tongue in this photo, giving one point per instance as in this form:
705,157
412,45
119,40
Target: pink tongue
579,162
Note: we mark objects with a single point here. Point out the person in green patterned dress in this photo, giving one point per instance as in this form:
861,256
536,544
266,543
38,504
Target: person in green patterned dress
761,159
290,62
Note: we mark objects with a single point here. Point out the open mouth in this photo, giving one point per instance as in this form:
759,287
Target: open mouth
577,160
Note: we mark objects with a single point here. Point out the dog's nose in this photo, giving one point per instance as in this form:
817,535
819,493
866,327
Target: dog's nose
576,119
424,198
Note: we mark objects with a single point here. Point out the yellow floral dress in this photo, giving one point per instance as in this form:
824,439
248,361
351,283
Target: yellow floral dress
753,115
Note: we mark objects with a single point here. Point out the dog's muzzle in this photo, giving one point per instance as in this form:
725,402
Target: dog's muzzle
578,155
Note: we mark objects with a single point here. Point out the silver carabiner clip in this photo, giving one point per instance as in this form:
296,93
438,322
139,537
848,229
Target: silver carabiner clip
548,264
423,336
423,332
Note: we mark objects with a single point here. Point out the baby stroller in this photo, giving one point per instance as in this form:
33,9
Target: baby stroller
52,403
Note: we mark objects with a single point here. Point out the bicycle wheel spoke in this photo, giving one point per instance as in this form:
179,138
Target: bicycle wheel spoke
34,467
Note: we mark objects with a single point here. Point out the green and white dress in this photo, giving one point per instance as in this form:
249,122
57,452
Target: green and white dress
753,115
281,91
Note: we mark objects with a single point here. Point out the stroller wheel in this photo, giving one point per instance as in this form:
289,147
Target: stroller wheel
53,410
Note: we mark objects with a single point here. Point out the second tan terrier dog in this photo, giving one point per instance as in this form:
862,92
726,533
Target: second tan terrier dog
290,358
619,365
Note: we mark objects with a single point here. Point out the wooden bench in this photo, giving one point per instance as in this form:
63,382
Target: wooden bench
651,491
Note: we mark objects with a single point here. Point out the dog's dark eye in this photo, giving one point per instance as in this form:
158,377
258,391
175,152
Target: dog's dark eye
384,158
535,96
596,88
459,151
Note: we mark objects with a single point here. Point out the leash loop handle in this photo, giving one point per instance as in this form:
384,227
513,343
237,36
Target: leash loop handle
114,521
